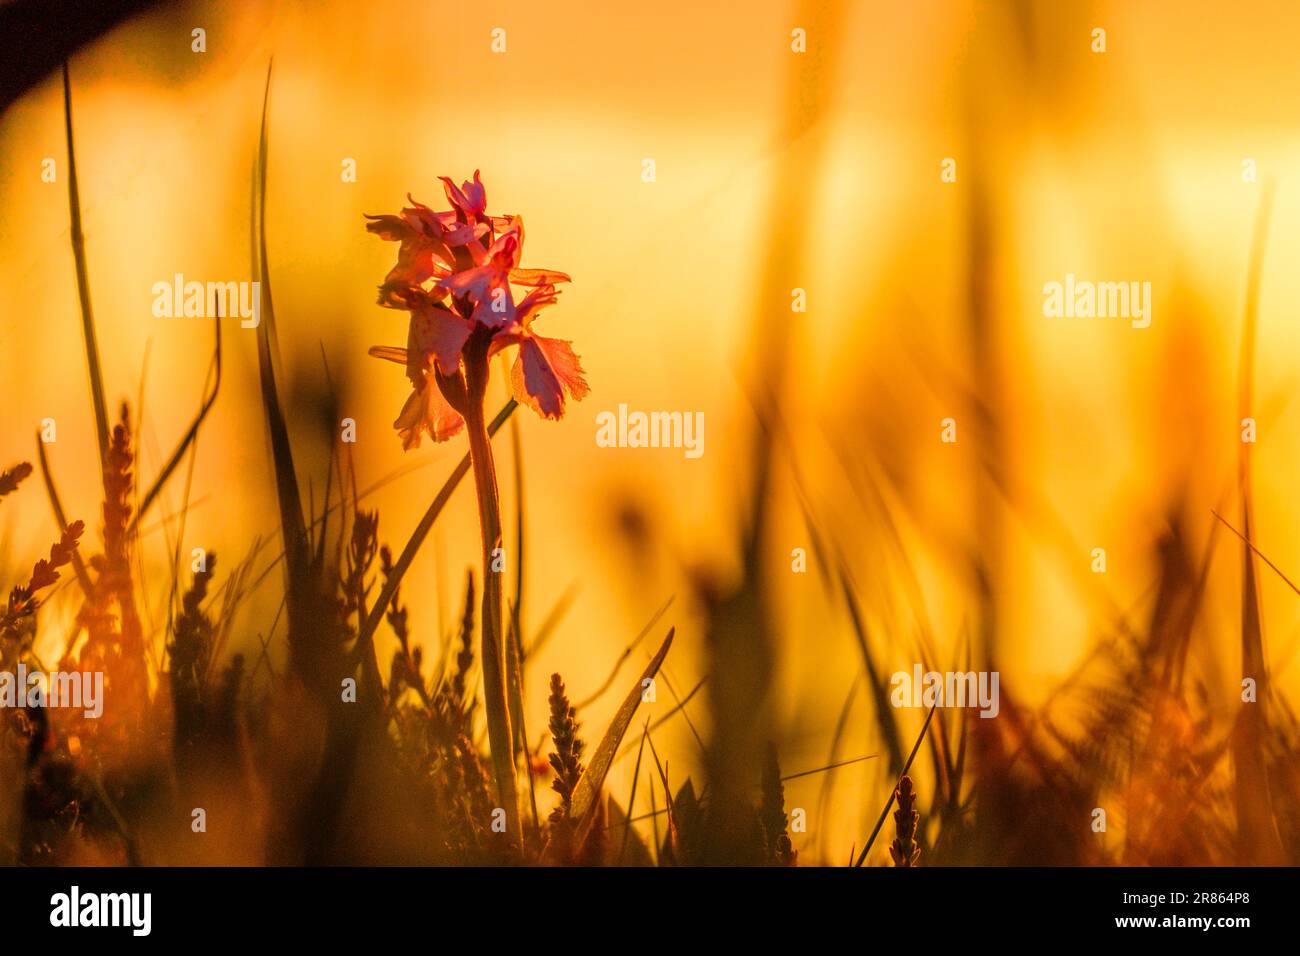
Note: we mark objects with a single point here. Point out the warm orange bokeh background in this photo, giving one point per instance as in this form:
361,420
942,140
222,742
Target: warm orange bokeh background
1121,166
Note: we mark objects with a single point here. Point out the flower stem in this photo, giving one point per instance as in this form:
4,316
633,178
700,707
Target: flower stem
500,739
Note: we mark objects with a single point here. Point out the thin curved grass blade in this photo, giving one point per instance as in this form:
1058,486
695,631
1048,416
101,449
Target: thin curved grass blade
588,788
83,282
293,525
191,433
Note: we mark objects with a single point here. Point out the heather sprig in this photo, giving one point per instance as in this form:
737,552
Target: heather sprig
779,850
22,599
190,652
458,685
11,478
904,850
408,661
566,759
363,545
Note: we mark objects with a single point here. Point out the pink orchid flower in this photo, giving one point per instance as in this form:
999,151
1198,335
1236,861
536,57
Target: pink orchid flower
487,286
470,199
426,410
545,370
438,334
459,292
427,243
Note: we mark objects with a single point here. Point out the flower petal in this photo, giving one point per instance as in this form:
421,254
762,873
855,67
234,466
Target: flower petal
544,372
441,333
465,233
533,303
503,255
562,359
418,260
427,411
469,198
423,219
391,228
496,308
476,193
424,253
389,353
470,282
489,291
535,277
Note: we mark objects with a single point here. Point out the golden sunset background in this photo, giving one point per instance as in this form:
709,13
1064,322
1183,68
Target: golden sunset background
775,170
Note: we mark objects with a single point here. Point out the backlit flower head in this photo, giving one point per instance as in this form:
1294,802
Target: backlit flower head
454,275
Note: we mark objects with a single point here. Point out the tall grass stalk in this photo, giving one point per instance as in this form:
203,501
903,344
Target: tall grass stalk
83,282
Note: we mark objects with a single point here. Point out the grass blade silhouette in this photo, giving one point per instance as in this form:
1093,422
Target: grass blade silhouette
83,282
190,434
587,791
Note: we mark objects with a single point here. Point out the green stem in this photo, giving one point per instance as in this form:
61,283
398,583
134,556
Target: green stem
495,700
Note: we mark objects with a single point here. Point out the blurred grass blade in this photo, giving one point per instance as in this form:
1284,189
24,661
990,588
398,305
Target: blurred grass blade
515,691
290,500
627,652
1258,553
824,793
878,686
546,629
83,282
827,768
631,799
1257,838
191,433
588,788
